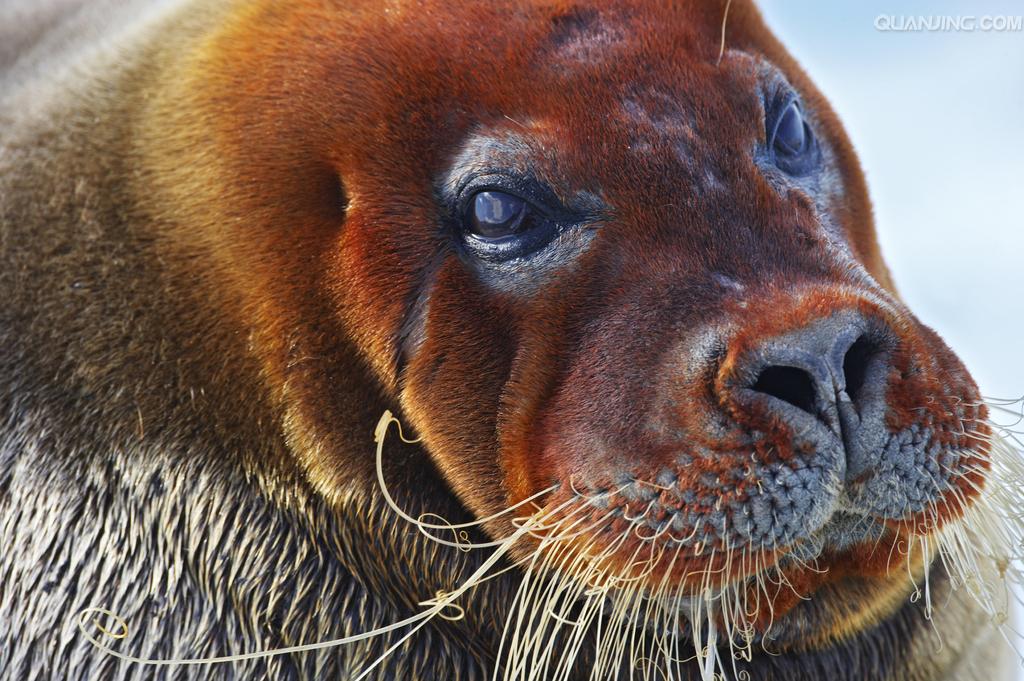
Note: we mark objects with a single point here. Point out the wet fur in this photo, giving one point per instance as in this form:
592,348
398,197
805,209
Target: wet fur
186,430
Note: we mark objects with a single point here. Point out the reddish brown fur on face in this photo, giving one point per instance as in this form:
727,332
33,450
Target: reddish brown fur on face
339,127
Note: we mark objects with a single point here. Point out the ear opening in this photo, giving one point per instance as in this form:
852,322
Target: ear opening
326,191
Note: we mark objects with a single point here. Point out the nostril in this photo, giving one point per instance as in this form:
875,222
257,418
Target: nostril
788,384
855,365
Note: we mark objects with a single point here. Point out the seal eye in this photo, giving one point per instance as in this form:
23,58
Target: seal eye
497,226
791,142
496,215
790,132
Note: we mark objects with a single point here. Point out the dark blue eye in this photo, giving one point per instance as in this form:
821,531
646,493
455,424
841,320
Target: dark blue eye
791,142
498,226
790,133
495,215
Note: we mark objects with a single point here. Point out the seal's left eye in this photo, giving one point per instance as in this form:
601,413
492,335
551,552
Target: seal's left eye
791,141
495,215
790,133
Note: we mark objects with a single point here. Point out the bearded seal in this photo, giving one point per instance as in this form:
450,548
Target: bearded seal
612,261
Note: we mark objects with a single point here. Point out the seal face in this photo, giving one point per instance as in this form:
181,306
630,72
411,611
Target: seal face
654,289
621,278
601,261
596,257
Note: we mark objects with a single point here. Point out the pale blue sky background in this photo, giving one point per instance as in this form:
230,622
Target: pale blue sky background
938,122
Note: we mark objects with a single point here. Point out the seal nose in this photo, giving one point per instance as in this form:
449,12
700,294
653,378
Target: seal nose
830,370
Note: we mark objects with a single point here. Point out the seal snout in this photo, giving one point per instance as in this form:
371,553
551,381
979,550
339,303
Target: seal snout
825,380
847,393
803,425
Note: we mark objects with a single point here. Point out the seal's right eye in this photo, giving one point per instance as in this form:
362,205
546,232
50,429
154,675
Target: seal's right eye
499,226
495,215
